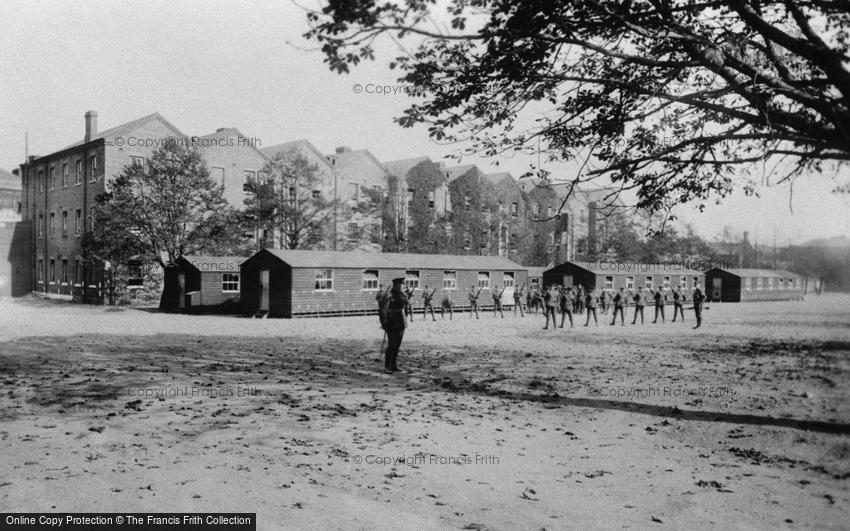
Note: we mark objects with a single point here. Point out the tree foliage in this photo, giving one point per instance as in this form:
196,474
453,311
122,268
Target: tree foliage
677,100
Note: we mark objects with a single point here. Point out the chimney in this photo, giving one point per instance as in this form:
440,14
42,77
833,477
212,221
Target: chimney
343,149
91,125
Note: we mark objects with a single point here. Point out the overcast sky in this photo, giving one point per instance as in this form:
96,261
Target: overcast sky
206,65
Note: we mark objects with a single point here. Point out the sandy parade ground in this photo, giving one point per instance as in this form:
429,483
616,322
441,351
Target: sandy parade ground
492,424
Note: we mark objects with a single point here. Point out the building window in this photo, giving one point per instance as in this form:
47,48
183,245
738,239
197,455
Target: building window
535,211
91,219
609,282
64,175
448,200
324,280
134,274
466,203
449,279
432,199
52,231
317,194
40,271
630,282
411,279
759,284
355,191
64,223
64,272
51,183
353,232
370,279
748,284
78,222
230,282
484,279
40,225
52,276
93,168
40,180
467,240
137,160
508,279
78,172
648,282
683,282
549,212
78,272
514,209
249,176
771,283
217,175
696,281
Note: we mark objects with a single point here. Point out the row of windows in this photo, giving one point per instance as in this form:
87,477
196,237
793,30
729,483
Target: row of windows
648,282
371,279
51,226
771,283
63,271
78,174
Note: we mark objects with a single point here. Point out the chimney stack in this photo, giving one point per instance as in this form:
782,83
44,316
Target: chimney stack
343,149
91,125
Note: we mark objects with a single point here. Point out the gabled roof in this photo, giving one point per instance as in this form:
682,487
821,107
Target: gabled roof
357,163
402,166
458,171
9,181
499,177
365,260
214,263
128,127
752,273
632,268
230,132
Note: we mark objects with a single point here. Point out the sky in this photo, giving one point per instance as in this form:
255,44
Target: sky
206,65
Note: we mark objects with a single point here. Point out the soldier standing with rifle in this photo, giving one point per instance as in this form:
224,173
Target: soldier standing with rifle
473,301
550,302
518,300
698,299
445,304
426,303
497,301
619,306
567,303
590,303
394,324
678,304
408,310
639,303
659,305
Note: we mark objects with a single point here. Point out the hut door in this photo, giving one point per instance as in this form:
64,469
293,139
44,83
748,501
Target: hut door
568,281
181,283
264,290
716,290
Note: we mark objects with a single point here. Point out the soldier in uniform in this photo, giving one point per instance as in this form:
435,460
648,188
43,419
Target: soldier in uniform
408,310
678,304
698,298
446,304
395,323
473,301
426,303
550,302
659,305
639,303
603,302
619,302
518,300
497,301
590,302
567,304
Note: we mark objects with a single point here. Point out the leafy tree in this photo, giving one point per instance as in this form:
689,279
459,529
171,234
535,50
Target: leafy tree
678,100
287,199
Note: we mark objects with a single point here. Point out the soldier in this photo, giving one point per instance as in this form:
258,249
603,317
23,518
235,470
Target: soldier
579,299
590,303
698,299
659,305
536,299
446,304
426,303
567,303
603,302
639,303
518,300
550,302
678,304
395,323
497,301
408,310
473,301
619,306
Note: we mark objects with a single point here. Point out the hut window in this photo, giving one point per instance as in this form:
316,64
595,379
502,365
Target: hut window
370,279
748,284
484,279
696,281
630,282
648,282
449,279
411,279
609,282
230,282
324,280
771,283
683,282
758,284
781,283
134,273
508,279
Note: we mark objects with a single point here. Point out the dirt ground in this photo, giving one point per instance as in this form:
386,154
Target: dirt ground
493,423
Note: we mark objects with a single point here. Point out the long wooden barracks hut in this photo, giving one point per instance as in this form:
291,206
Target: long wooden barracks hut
290,283
203,283
611,276
743,285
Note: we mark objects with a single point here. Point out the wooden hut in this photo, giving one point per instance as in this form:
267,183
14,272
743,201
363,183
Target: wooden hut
743,285
611,276
289,283
203,283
